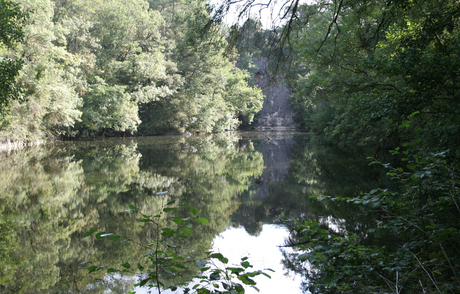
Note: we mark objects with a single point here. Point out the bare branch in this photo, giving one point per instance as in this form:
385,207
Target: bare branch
334,21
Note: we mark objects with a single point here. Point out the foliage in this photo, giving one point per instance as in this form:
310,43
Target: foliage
48,81
411,243
169,258
12,22
108,108
215,95
370,64
116,68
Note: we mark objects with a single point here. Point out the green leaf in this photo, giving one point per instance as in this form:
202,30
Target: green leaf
202,220
177,220
414,113
246,280
193,211
412,165
180,265
94,268
112,270
214,276
186,230
168,209
167,232
171,202
112,238
126,265
235,270
89,233
220,257
239,288
268,276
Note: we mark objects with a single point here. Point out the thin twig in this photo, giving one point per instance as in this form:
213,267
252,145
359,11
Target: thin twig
389,283
425,271
423,289
334,21
456,277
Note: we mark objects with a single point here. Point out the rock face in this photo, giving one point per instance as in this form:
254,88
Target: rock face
276,150
277,113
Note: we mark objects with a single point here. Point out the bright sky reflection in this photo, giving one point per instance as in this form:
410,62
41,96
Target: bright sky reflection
263,252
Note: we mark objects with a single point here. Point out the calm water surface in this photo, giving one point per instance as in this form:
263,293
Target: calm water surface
241,182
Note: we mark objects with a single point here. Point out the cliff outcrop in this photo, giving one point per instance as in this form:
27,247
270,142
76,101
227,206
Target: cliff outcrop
277,113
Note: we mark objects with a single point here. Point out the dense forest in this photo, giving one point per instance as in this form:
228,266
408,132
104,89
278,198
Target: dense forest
358,69
86,68
382,74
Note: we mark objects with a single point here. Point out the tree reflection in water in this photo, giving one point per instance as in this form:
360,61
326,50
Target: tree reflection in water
50,196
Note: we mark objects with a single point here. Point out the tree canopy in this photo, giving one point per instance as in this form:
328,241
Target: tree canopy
120,67
12,21
383,74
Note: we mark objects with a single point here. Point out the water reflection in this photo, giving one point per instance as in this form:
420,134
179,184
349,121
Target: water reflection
50,196
264,252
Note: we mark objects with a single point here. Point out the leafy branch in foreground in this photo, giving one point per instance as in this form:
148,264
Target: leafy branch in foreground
169,260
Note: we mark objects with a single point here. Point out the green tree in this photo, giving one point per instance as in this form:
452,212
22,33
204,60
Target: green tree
214,92
370,66
122,43
108,108
48,80
12,22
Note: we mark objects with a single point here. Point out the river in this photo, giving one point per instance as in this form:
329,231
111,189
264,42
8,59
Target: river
242,183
